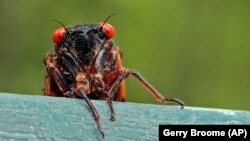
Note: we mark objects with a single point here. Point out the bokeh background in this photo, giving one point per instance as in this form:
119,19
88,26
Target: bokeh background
197,51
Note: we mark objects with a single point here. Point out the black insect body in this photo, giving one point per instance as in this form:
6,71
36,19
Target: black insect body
86,64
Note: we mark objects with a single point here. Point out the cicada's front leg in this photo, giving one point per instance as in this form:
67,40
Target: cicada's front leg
54,83
123,73
82,85
113,90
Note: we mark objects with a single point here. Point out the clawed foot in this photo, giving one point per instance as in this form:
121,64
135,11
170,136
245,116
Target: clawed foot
112,117
182,104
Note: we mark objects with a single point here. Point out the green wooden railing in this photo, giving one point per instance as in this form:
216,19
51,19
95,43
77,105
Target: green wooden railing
41,118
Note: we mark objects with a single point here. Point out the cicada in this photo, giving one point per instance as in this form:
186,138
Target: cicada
85,63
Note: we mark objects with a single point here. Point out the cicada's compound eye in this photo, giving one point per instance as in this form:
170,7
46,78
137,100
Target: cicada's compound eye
108,30
58,35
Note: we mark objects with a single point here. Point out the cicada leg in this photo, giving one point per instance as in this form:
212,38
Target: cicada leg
122,75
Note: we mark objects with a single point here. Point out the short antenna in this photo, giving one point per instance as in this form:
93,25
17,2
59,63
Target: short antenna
108,19
61,25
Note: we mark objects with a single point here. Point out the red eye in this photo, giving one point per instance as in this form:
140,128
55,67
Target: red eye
108,30
58,35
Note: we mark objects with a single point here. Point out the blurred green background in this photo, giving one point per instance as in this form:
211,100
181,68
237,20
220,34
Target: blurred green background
197,51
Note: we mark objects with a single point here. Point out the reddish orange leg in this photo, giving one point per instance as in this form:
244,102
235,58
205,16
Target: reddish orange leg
123,74
113,91
75,69
153,91
55,74
93,110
